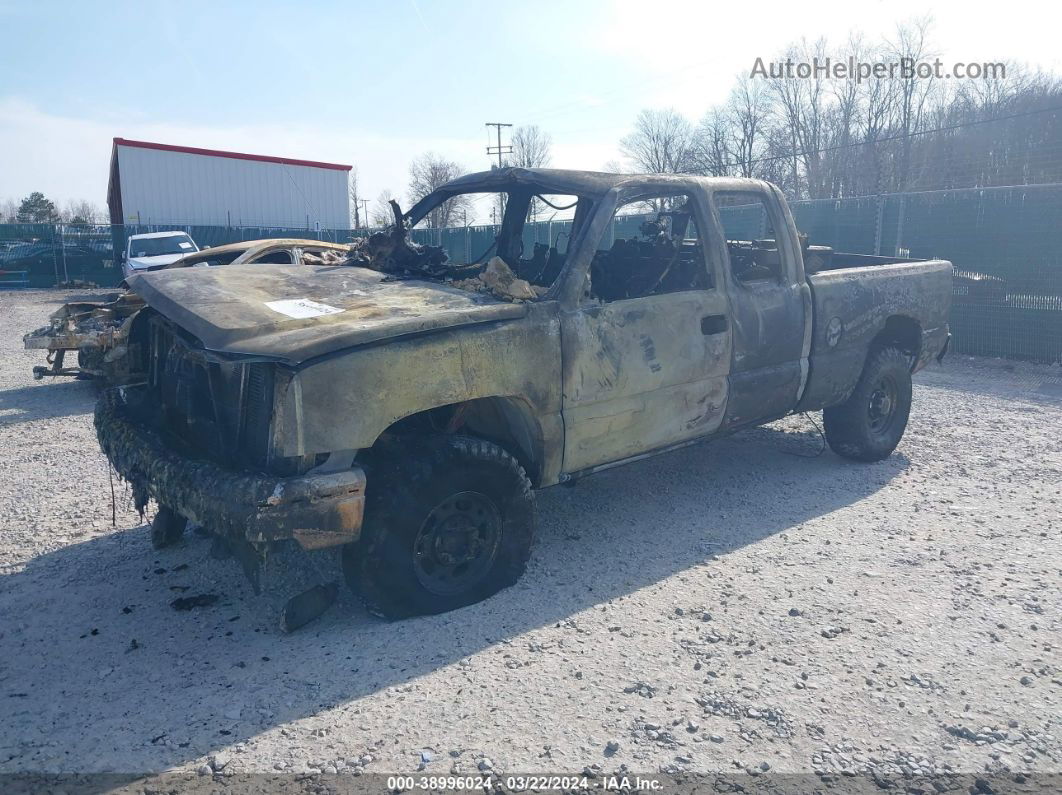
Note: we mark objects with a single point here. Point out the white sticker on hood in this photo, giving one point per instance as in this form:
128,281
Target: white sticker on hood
302,307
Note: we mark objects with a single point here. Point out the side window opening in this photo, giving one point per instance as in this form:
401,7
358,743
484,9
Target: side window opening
650,253
750,237
552,223
280,257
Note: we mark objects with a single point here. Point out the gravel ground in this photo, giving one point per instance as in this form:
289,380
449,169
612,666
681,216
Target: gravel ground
734,606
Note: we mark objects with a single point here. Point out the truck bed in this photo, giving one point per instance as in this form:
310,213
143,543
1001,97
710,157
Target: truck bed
852,305
823,258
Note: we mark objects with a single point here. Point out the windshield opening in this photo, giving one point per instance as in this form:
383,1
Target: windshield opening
523,234
161,246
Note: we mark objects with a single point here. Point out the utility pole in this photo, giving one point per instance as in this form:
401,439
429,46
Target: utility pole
364,212
498,150
796,183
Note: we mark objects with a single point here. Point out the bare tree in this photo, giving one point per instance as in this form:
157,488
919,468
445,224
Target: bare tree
911,45
878,97
775,163
356,199
381,211
842,119
8,211
837,138
428,173
710,152
81,212
749,110
802,105
531,147
661,142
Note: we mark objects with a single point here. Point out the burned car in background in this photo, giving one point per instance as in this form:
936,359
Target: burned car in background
96,330
402,409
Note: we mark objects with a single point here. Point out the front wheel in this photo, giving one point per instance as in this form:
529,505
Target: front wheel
869,425
167,528
449,521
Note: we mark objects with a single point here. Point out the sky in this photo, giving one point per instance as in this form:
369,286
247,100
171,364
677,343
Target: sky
376,84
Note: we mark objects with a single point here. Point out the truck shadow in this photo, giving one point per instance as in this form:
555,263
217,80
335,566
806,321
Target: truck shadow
62,397
93,649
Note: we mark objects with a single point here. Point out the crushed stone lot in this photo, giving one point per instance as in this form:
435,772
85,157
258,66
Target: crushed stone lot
745,605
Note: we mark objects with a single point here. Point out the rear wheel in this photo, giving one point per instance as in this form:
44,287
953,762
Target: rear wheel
449,521
869,425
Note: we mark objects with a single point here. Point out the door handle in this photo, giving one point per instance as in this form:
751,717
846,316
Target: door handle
713,324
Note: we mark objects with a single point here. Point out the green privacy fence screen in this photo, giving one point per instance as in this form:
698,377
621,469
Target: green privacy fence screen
1006,244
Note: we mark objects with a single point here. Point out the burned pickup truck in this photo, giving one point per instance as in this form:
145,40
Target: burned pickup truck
404,407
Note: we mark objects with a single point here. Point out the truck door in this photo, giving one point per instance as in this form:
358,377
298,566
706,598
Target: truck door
770,305
647,352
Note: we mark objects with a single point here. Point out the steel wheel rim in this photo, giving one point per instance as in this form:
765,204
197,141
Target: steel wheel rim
457,543
882,405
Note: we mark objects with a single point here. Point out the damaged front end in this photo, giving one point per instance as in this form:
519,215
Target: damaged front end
196,435
315,510
95,330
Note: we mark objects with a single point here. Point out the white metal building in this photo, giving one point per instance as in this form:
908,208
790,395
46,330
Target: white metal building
153,183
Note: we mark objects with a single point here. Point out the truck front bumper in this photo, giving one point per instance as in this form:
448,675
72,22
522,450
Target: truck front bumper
316,510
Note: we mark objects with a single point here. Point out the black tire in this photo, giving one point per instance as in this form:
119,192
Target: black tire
88,360
869,425
167,528
449,521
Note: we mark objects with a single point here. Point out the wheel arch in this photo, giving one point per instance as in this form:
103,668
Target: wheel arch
507,421
900,331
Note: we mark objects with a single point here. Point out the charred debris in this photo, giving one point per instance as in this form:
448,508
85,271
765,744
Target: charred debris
390,251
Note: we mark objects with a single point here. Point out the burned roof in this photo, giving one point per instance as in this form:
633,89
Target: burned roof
553,180
562,181
239,248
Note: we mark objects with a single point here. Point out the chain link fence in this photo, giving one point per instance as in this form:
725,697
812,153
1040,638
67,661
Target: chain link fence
46,255
1006,244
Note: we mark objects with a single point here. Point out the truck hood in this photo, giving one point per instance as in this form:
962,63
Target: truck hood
297,312
158,261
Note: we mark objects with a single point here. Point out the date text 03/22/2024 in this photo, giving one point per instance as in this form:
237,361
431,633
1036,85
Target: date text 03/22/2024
528,783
